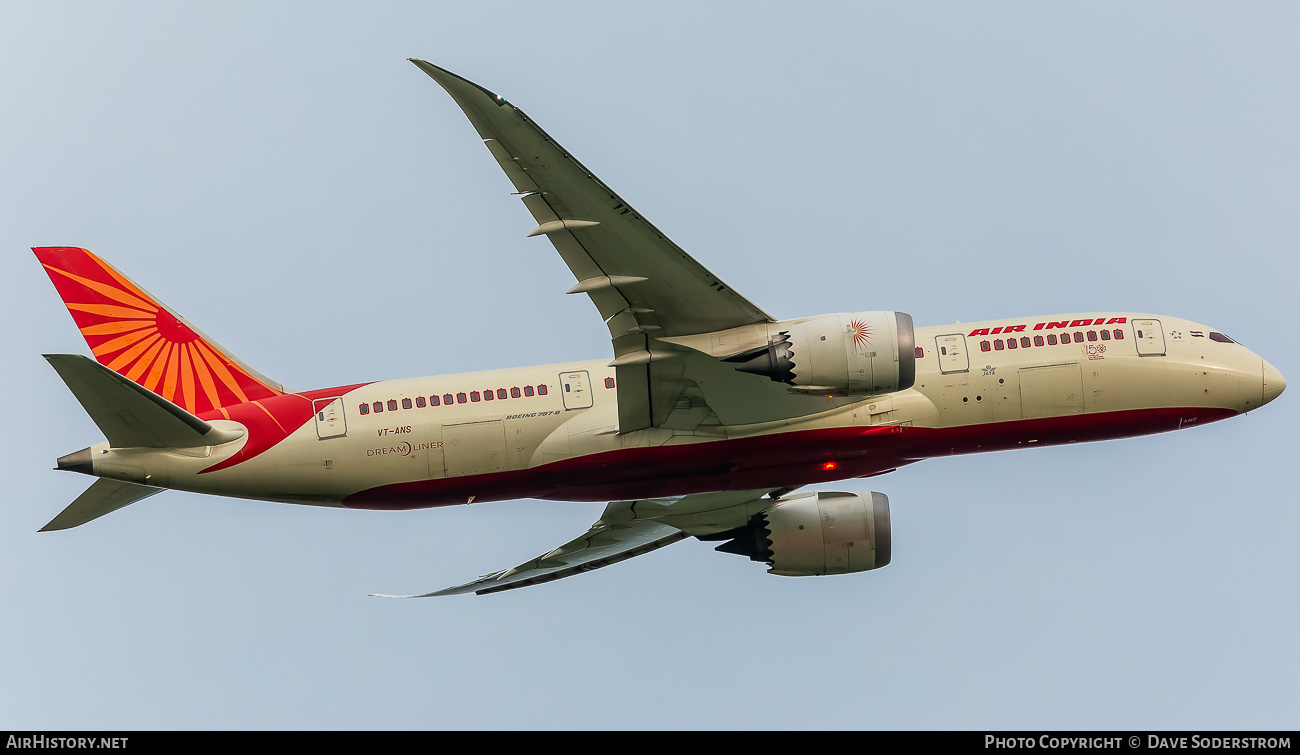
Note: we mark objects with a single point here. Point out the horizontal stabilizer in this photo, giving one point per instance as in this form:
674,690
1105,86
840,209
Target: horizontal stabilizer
104,497
130,415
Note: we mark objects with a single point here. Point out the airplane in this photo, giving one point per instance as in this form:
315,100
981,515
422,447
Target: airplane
707,422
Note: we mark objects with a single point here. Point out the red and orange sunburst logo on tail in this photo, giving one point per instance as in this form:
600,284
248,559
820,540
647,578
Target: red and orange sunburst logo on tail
132,334
861,332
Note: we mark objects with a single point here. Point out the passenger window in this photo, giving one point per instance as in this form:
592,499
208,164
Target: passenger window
1105,335
1078,337
1119,334
406,403
419,401
609,382
1051,340
473,396
1038,340
433,401
365,408
528,390
997,344
541,390
392,404
460,398
501,393
1011,343
379,406
446,398
986,346
514,393
1024,342
920,352
488,395
1092,335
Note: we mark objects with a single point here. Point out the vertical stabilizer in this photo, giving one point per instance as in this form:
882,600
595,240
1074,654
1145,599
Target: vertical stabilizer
138,337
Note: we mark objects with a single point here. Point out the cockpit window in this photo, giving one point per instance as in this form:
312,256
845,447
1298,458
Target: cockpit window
1221,338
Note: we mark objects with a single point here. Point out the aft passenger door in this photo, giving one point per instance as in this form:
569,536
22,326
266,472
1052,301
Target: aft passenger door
577,389
951,349
330,422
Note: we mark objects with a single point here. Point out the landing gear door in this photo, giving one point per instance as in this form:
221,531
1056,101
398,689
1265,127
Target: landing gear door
1150,338
330,422
577,389
951,349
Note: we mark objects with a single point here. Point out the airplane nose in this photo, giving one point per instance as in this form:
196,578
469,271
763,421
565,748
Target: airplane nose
1274,383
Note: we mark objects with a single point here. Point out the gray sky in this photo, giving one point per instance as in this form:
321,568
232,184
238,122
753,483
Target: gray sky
281,176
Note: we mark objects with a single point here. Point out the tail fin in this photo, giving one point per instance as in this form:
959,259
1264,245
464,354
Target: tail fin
140,338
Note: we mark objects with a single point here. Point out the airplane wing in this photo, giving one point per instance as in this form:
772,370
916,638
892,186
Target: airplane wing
643,284
626,529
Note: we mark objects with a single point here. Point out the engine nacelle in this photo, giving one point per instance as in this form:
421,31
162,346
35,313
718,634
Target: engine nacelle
856,354
816,533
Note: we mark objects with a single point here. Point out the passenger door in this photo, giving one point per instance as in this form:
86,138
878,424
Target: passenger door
330,422
951,349
577,389
1150,338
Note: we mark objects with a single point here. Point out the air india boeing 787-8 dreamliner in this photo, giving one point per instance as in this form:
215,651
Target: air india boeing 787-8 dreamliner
707,421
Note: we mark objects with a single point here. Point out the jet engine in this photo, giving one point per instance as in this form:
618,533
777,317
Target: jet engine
815,533
856,354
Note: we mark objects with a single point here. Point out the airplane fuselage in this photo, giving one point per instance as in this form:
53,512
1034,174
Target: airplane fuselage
552,431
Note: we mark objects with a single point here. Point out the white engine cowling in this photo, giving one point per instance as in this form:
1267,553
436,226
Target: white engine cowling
829,533
816,533
847,354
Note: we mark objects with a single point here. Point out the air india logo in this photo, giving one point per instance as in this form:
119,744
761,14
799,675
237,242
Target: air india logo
131,334
861,333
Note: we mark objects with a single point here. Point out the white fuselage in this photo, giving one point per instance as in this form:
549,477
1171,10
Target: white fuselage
552,431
